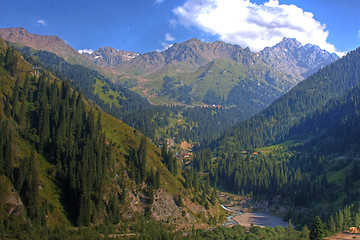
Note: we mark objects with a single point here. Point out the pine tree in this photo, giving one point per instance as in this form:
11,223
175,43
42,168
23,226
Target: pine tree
317,229
331,225
142,158
15,100
33,192
10,61
157,180
8,161
180,201
213,197
7,107
305,233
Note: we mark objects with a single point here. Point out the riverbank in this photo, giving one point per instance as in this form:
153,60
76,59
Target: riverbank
259,219
246,212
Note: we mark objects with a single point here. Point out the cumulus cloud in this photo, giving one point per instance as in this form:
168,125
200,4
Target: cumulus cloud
89,51
169,38
251,25
42,22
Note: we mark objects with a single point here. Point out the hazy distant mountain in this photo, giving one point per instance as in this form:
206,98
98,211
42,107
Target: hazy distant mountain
291,57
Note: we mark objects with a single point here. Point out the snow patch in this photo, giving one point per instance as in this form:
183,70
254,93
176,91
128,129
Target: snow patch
89,51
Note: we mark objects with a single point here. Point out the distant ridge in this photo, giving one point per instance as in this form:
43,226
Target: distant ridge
197,72
109,57
48,43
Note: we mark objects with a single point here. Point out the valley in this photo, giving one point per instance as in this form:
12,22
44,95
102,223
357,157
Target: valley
161,145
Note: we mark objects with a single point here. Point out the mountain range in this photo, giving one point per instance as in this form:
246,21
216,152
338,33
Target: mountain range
199,72
64,162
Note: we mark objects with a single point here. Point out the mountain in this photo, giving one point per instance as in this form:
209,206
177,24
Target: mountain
49,43
223,72
108,56
217,73
291,57
65,163
274,123
302,150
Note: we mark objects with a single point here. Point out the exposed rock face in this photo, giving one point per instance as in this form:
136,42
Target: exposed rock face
108,56
291,57
164,207
189,56
10,201
288,56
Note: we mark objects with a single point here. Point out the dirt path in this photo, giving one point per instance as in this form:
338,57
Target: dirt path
343,236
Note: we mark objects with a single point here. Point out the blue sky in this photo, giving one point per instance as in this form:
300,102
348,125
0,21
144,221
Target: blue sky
149,25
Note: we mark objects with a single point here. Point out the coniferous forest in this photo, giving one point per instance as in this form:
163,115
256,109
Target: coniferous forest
72,170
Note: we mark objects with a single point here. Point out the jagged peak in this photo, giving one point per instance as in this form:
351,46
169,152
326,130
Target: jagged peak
193,40
289,42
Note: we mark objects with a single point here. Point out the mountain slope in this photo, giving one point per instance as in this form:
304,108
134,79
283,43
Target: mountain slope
302,151
215,67
49,43
71,164
274,123
212,73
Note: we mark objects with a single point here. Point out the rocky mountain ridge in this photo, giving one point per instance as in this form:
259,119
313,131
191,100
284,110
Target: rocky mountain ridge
199,72
108,56
291,57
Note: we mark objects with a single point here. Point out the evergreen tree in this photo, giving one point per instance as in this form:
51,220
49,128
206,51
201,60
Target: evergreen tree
305,233
7,107
142,158
11,61
8,161
15,100
213,196
317,229
157,180
331,225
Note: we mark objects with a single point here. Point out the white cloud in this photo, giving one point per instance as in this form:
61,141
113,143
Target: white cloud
173,23
165,46
169,38
89,51
42,22
252,25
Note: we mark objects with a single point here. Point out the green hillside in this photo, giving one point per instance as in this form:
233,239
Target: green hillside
220,82
316,168
65,163
274,123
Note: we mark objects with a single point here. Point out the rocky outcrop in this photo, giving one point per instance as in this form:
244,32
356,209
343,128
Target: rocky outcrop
291,57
